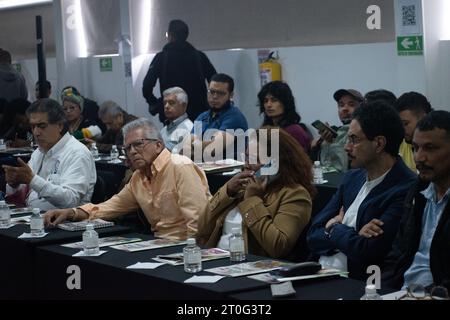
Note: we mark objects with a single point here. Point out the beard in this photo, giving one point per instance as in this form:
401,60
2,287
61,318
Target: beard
346,121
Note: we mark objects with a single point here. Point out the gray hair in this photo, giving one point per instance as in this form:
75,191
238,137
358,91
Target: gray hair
109,108
151,130
179,92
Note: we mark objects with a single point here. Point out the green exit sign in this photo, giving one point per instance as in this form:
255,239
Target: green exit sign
410,46
106,65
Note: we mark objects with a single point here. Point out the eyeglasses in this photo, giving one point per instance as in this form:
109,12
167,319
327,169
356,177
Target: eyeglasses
41,126
138,145
216,93
352,139
419,292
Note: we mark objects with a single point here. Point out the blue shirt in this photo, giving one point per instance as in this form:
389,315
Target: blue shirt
229,117
419,271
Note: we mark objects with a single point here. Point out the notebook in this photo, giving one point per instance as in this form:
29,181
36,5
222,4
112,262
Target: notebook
81,225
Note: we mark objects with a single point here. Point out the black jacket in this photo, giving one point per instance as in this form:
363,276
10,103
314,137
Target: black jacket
407,242
179,65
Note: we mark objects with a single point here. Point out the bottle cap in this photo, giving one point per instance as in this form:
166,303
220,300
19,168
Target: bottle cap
36,210
371,289
317,163
236,230
89,226
190,241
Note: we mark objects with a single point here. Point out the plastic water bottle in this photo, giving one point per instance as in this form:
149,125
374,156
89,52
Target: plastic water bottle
94,151
114,154
192,257
5,215
2,145
36,223
90,240
237,248
318,172
371,293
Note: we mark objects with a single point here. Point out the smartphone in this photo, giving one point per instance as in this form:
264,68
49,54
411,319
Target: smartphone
319,125
270,177
299,269
10,161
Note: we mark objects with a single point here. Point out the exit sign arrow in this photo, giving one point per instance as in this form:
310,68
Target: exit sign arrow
406,43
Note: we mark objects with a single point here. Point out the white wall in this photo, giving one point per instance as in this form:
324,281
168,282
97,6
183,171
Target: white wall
437,52
30,73
102,86
314,74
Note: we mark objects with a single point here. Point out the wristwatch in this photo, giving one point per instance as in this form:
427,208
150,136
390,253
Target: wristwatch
74,214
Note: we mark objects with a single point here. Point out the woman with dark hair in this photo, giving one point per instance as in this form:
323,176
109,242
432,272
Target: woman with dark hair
271,204
277,103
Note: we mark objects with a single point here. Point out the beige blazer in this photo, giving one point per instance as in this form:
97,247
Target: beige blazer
270,226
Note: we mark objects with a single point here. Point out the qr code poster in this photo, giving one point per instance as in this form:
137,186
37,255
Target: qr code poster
409,17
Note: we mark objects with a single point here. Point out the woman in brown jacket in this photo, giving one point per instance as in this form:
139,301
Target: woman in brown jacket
272,210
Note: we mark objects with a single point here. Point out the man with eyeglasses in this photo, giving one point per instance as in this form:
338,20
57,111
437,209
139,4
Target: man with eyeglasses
210,127
169,188
371,195
61,172
421,251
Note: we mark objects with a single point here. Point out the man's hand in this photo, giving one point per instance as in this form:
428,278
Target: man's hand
326,135
153,109
372,229
55,217
336,219
15,176
317,142
88,142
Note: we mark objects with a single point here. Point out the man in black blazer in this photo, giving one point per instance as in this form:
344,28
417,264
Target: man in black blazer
371,194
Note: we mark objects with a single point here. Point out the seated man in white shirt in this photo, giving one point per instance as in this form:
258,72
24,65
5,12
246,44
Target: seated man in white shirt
61,172
178,125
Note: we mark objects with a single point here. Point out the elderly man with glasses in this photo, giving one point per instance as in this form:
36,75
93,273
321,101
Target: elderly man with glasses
369,197
169,188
